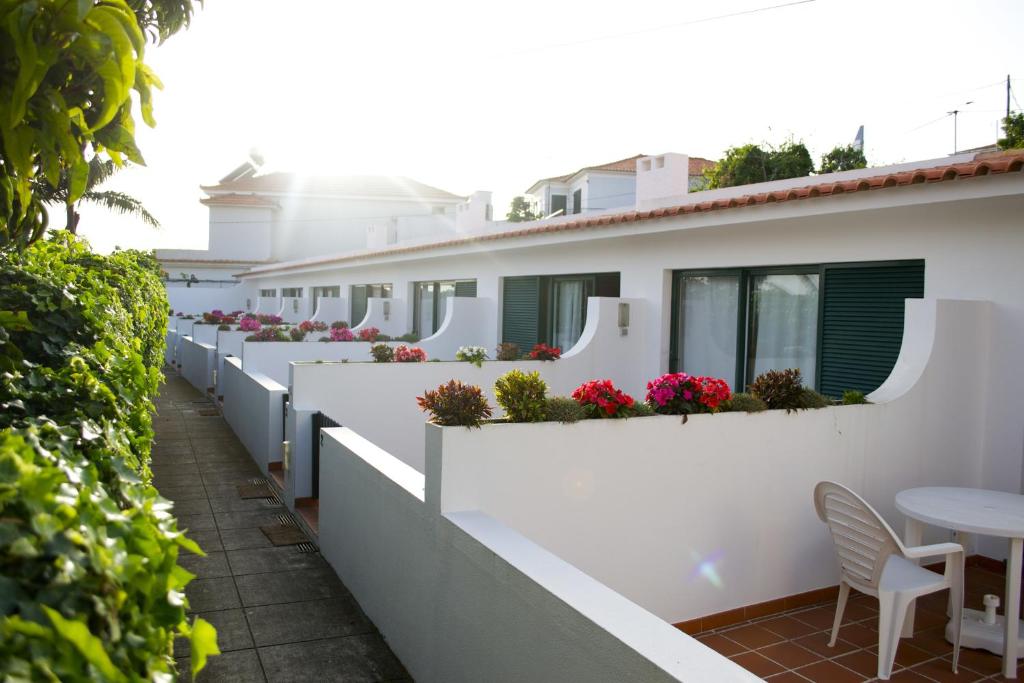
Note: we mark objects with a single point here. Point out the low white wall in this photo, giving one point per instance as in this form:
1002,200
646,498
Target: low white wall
294,309
468,321
393,324
229,343
272,358
268,305
196,300
183,328
197,361
462,597
254,407
378,400
170,340
698,518
205,333
329,310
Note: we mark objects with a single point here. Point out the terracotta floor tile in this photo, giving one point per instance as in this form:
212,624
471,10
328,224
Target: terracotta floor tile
818,643
787,677
752,636
721,644
982,661
942,671
908,676
830,672
933,641
862,661
757,665
789,655
818,617
788,627
861,635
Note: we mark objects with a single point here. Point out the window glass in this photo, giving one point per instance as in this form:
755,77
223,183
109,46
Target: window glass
268,292
327,292
783,325
425,308
446,290
707,325
292,291
569,302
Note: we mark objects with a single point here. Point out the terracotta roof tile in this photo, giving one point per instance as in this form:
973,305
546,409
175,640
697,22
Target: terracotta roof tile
628,165
363,186
1006,162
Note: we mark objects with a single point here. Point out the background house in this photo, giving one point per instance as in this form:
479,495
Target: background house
604,186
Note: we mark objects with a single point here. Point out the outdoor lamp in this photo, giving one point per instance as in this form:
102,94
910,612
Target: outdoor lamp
623,319
387,310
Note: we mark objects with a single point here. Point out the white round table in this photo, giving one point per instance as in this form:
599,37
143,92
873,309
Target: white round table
975,511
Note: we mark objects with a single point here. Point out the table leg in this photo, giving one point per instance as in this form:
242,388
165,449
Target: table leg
1012,609
913,533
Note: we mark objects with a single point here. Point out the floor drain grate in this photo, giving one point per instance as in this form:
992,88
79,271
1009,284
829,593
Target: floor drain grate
286,520
258,481
306,548
209,412
272,501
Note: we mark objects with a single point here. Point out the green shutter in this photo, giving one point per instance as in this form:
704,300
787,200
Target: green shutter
358,304
520,311
862,323
465,288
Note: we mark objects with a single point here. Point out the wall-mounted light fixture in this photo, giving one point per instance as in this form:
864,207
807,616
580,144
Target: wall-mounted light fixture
295,305
623,319
248,304
387,310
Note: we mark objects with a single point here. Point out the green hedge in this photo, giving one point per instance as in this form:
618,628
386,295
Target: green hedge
89,582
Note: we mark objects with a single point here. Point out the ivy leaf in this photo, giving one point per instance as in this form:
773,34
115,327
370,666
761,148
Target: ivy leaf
90,647
203,638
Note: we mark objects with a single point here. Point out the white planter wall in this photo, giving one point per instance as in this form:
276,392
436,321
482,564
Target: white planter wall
329,310
229,343
254,407
468,321
272,358
268,305
387,315
197,362
378,400
461,597
294,309
698,518
205,333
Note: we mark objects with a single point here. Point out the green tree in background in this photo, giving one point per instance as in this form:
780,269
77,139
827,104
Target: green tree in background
67,72
843,159
99,171
521,210
1013,126
752,164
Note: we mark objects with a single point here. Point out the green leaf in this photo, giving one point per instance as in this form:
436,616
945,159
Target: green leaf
88,645
203,638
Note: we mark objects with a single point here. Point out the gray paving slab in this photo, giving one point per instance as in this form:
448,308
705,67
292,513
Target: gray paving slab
280,613
353,659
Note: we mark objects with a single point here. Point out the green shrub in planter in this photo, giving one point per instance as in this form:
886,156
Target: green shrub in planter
852,397
410,337
745,403
339,325
382,353
811,399
563,409
508,351
297,334
780,389
455,404
521,395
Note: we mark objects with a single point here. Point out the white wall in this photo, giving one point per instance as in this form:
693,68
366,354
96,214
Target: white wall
461,597
328,310
254,407
603,192
386,314
378,400
204,333
197,363
229,343
268,305
196,300
294,309
693,519
272,358
468,321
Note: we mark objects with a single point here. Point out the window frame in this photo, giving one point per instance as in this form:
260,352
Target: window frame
435,287
272,295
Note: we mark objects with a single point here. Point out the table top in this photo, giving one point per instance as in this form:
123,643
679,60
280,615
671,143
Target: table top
978,511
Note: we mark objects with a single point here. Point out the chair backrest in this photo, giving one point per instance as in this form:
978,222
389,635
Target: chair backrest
862,538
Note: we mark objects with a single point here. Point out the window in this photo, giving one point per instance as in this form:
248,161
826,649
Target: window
551,308
327,292
577,201
360,294
430,302
269,293
294,292
841,324
558,203
438,210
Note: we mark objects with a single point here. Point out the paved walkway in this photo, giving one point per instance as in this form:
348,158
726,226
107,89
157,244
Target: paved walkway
281,613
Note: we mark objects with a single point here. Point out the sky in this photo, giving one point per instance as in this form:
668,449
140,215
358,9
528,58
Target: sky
476,95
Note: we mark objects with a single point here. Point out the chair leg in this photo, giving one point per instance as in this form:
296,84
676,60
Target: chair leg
892,610
956,599
844,593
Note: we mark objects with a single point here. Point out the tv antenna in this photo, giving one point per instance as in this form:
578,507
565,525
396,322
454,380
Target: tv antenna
955,113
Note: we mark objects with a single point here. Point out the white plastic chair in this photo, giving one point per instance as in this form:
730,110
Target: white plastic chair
873,560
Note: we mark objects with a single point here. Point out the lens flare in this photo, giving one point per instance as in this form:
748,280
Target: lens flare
705,568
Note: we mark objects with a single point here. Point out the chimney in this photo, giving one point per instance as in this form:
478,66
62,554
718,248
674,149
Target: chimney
474,213
661,177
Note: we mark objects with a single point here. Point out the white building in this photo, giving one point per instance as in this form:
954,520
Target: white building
604,186
276,217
